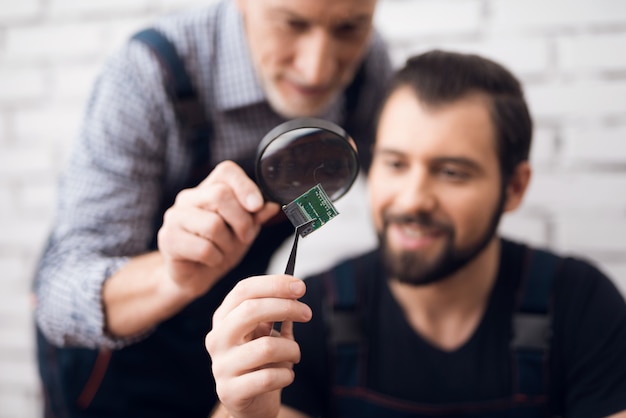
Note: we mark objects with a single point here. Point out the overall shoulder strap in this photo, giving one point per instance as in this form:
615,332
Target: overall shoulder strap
353,91
532,324
353,122
179,81
191,115
345,321
343,316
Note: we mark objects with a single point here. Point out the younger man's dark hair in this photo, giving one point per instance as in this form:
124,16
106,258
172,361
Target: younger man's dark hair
440,77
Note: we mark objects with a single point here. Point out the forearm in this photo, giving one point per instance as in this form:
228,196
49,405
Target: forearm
139,296
110,195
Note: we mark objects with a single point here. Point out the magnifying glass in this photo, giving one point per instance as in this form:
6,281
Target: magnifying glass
303,156
300,153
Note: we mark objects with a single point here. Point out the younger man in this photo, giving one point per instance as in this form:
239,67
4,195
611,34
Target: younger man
446,318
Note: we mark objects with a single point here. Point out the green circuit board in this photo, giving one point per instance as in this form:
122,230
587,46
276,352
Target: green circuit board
313,205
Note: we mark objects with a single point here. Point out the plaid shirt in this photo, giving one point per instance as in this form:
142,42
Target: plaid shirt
130,153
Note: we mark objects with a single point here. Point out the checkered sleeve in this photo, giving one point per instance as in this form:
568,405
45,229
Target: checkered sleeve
108,198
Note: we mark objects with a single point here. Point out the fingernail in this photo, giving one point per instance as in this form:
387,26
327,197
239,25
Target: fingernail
297,286
253,201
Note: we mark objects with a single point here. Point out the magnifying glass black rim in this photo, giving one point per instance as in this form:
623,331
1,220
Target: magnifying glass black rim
300,123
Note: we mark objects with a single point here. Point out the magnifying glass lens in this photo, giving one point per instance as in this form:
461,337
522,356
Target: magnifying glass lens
296,156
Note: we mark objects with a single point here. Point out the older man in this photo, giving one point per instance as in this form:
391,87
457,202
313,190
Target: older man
107,279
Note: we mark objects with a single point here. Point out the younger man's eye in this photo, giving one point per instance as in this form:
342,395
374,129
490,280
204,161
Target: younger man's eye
453,173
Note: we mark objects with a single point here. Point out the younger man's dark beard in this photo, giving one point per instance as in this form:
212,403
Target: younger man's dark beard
409,268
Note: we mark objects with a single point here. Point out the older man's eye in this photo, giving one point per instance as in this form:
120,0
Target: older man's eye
394,163
350,30
297,25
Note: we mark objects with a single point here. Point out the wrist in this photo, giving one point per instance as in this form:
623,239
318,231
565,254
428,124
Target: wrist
173,295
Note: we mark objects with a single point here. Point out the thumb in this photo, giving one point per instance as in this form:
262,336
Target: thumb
266,213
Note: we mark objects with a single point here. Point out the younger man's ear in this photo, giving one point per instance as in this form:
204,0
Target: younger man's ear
516,188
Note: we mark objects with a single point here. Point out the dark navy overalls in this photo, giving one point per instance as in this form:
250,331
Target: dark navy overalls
529,348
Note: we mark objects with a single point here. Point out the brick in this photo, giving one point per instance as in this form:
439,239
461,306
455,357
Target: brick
543,146
7,197
58,124
578,99
591,233
431,17
19,355
577,192
13,271
19,375
99,8
516,14
74,82
16,403
19,305
54,42
119,31
595,145
4,128
520,55
18,10
14,338
174,5
617,273
18,84
592,53
38,197
24,162
25,233
524,228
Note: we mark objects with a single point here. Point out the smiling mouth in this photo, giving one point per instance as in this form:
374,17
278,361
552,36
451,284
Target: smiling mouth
414,232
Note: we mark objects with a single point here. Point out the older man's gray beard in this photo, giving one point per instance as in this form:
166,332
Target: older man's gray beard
412,268
288,110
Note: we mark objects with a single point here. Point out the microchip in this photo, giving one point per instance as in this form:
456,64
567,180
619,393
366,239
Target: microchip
313,205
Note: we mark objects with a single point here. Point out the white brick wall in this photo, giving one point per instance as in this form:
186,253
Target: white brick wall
12,10
569,53
556,14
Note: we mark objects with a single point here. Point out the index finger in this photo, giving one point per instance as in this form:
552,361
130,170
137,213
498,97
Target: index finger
244,188
267,286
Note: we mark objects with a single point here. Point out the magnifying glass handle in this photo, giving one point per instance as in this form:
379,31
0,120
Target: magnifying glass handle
291,262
